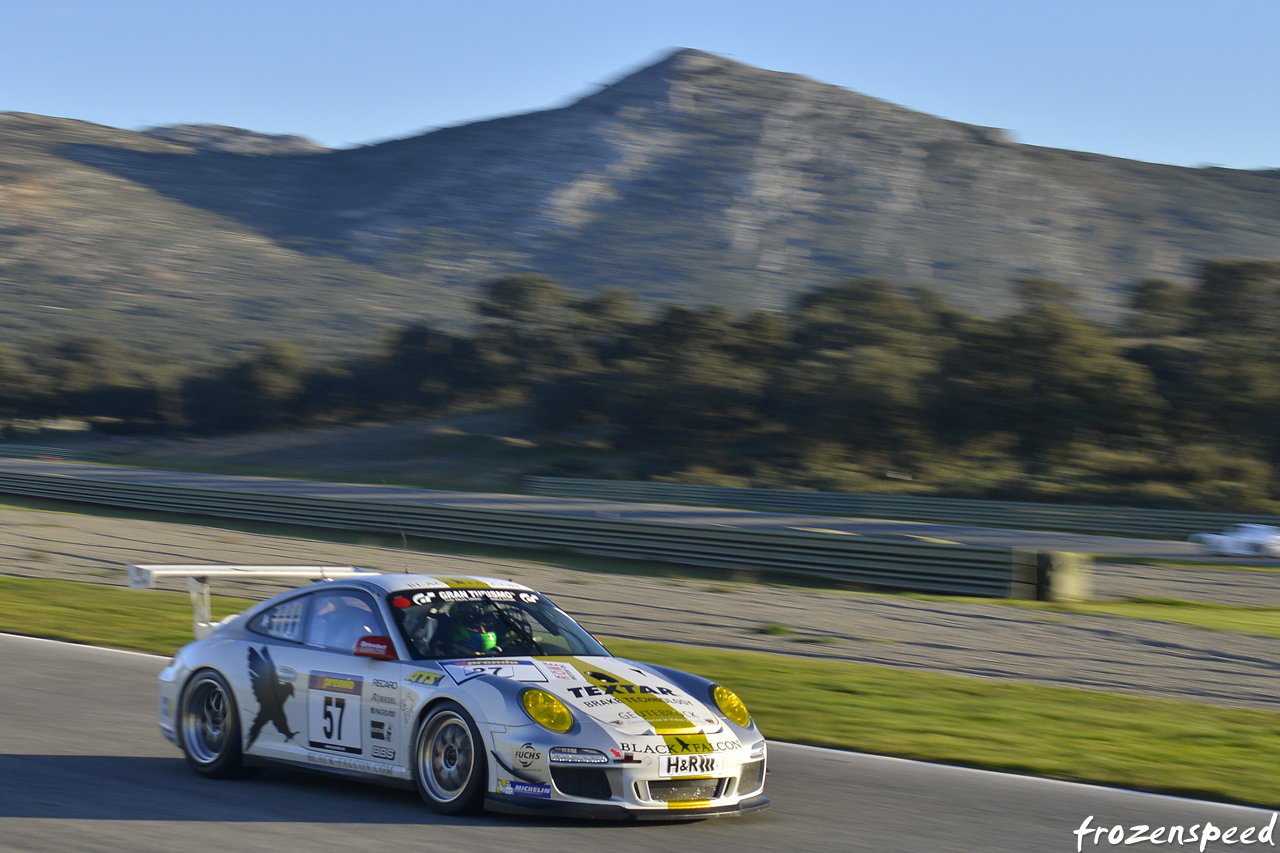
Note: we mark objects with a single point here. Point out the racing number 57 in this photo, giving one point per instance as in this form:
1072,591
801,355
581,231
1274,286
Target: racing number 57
330,703
331,697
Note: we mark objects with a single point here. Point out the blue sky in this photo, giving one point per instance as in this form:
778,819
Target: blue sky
1172,82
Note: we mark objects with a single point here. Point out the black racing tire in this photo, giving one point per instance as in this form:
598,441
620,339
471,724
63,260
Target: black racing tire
209,728
450,766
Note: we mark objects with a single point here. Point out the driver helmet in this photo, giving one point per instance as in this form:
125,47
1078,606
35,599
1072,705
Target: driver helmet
471,628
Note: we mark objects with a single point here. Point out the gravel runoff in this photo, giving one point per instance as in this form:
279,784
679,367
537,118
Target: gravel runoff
976,639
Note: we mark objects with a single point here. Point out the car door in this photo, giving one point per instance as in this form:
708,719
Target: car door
352,702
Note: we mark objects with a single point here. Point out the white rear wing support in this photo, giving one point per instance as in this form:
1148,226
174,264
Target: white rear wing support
145,577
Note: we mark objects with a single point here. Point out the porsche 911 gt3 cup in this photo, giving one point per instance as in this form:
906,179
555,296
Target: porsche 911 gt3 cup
1242,540
478,692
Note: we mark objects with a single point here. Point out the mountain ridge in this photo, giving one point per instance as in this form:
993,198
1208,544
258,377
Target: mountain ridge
696,179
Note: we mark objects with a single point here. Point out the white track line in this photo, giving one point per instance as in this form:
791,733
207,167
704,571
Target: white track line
851,755
84,646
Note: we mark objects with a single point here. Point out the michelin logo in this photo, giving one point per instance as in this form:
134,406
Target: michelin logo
523,789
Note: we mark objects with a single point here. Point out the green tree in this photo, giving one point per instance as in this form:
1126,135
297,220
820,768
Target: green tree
1238,298
1160,308
1048,376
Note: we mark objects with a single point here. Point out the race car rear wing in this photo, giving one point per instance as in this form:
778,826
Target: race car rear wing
145,577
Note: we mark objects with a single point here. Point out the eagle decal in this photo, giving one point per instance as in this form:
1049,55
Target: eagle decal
270,692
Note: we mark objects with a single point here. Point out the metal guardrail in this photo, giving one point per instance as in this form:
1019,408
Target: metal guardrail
1110,521
40,451
868,561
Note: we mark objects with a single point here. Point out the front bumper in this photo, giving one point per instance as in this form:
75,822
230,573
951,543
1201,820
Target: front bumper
612,811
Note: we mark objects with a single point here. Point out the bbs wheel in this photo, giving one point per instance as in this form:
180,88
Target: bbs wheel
209,728
449,761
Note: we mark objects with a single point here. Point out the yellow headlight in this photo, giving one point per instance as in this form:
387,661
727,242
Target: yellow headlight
731,706
546,710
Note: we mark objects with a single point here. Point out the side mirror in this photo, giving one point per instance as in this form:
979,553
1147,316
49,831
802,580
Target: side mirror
378,648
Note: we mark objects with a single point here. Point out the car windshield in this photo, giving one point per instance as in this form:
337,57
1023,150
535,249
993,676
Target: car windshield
461,623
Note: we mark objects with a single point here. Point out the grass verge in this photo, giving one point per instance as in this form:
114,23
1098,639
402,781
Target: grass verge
1258,621
142,621
1171,747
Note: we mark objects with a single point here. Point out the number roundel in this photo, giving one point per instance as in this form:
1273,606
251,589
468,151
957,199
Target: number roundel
334,712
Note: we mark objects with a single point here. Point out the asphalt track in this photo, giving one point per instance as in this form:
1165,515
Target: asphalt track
83,768
958,534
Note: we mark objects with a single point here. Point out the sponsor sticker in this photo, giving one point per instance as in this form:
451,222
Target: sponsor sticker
464,670
690,765
475,595
384,753
426,679
344,763
561,671
523,789
528,755
682,745
379,730
331,683
333,712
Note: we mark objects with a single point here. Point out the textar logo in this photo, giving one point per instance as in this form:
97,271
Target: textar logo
612,689
527,755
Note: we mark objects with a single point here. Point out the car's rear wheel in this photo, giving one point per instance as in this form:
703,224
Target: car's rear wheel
449,761
209,728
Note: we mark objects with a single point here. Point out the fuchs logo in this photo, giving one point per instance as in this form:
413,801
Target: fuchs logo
527,755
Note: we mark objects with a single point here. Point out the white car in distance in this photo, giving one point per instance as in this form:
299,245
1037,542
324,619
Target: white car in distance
1242,540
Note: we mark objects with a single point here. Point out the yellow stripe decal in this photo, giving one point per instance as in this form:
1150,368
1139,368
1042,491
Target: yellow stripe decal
464,583
646,704
690,804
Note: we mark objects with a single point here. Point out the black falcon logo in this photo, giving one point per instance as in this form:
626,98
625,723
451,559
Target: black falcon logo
270,692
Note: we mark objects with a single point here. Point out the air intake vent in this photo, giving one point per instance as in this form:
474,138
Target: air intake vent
683,790
589,782
752,777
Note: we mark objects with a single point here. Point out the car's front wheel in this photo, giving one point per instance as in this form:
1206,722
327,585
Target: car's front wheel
449,761
209,728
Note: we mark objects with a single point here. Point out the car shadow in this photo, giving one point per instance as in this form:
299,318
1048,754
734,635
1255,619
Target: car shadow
109,787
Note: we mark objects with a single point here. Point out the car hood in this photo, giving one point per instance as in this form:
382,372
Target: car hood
627,696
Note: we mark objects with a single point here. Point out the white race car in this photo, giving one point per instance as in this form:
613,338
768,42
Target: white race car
480,693
1250,540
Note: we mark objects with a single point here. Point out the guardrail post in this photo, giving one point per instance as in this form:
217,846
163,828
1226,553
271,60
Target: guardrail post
1063,576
